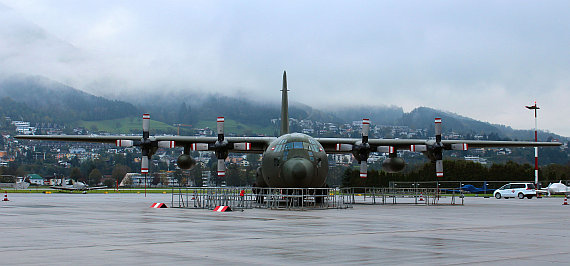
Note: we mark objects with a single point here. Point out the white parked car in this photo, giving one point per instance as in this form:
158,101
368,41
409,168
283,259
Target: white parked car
519,190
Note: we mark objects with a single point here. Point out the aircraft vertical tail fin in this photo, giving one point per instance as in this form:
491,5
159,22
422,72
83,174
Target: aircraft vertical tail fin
284,107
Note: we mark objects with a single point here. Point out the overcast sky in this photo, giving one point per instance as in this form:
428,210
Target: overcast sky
481,59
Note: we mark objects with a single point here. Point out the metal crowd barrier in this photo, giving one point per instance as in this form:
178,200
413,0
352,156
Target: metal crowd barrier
248,198
306,198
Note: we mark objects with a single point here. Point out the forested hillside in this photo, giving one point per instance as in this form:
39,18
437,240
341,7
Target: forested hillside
50,101
39,100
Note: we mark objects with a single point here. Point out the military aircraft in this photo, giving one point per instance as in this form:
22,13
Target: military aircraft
72,185
292,160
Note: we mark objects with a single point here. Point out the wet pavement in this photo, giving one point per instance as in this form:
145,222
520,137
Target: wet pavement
55,229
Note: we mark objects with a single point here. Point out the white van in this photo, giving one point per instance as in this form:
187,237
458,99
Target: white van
520,190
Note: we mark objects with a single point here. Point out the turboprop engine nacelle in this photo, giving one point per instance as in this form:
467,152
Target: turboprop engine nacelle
393,165
185,161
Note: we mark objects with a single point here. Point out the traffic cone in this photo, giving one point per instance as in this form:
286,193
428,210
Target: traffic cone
421,197
5,196
565,200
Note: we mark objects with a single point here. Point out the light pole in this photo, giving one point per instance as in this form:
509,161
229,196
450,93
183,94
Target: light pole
535,108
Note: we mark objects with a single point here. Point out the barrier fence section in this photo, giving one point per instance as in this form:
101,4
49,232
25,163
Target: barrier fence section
248,198
414,195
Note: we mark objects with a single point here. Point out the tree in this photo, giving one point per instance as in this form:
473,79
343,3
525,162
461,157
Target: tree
76,174
179,176
119,172
155,179
94,177
164,180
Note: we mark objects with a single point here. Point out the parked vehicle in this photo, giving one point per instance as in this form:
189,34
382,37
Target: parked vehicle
519,190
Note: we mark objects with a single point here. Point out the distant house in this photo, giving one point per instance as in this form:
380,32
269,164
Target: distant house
35,179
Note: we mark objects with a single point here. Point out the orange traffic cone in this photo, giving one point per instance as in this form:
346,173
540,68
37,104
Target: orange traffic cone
565,200
421,197
5,196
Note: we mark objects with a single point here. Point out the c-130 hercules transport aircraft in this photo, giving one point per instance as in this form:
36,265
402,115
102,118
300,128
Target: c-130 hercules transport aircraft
292,160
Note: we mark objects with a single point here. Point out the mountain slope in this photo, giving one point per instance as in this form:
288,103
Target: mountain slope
61,103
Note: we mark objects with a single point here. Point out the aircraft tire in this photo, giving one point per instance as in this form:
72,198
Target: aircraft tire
497,195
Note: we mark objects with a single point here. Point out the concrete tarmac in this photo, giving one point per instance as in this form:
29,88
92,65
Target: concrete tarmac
102,229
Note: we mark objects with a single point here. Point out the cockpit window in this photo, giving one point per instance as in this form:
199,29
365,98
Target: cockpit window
297,145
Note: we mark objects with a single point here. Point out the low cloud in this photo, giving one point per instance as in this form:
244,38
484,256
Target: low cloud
484,59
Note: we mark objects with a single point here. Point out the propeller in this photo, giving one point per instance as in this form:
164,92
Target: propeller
361,149
221,148
438,149
147,144
435,149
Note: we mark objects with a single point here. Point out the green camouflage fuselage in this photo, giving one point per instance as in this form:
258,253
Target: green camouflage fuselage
293,161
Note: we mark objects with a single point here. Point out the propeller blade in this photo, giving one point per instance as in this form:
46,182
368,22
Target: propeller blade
365,129
438,130
166,144
439,168
363,169
221,167
144,165
343,147
386,149
124,143
220,122
418,148
199,146
243,146
146,125
459,147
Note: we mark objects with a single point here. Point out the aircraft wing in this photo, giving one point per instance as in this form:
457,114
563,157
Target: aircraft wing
253,144
64,188
95,188
497,144
334,145
80,138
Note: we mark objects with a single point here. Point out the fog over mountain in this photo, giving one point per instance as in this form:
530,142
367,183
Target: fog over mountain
43,100
484,59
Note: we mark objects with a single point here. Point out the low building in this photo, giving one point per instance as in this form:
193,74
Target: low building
35,179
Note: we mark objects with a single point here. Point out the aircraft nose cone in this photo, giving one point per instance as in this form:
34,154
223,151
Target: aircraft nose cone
298,172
